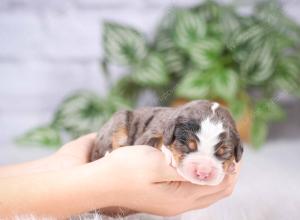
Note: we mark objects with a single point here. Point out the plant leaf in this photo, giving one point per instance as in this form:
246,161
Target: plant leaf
42,136
237,108
225,84
85,112
195,85
189,28
205,52
259,131
268,110
288,75
123,45
151,72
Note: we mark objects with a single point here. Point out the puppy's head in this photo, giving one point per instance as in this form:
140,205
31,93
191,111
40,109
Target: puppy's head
202,141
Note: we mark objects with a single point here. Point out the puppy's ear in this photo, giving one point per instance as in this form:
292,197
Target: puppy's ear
238,152
168,133
238,147
169,130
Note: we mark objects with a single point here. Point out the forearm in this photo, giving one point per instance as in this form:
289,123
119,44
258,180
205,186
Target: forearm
60,194
41,165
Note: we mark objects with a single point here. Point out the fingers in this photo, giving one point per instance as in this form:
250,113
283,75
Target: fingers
151,160
86,140
166,173
80,147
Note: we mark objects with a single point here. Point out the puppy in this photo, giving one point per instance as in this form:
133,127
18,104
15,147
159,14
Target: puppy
199,139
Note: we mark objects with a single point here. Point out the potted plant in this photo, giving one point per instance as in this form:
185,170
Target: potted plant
209,51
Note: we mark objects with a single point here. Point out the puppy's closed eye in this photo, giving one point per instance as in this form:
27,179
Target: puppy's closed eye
224,152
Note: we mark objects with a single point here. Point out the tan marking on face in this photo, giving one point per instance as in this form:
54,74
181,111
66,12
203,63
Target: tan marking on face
192,145
119,138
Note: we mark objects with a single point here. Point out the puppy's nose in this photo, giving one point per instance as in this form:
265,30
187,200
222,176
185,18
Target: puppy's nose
204,172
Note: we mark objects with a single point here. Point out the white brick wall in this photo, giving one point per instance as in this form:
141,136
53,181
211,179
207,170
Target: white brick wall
50,48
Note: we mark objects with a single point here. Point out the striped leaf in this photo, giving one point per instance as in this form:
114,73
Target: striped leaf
151,71
84,112
123,45
258,66
195,85
189,28
225,84
174,61
254,35
288,75
205,52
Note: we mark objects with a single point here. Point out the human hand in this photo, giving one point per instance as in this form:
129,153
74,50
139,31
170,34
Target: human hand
141,180
135,177
73,153
70,155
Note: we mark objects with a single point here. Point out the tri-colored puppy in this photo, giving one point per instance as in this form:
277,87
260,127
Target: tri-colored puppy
199,139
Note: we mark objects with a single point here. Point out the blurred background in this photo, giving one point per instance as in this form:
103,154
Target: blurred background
67,65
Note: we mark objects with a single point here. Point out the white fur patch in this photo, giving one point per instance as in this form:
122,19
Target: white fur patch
214,106
169,156
106,153
209,136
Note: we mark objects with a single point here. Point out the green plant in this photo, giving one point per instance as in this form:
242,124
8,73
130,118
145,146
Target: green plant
209,51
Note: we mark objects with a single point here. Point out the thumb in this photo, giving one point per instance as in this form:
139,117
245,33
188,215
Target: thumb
167,173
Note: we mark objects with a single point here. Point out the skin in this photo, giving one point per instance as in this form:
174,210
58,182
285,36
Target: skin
135,177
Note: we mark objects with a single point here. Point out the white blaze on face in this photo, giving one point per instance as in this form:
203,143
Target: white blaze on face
204,160
214,106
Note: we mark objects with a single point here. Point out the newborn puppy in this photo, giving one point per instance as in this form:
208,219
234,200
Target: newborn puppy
199,139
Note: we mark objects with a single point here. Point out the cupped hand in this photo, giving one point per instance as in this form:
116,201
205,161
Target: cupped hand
74,153
142,181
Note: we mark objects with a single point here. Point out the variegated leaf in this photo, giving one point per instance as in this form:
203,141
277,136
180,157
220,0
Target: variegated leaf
123,45
84,112
195,85
189,28
205,52
151,71
225,84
